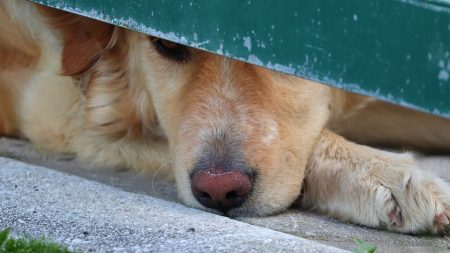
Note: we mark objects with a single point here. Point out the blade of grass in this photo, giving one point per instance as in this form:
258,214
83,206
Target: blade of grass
3,236
363,247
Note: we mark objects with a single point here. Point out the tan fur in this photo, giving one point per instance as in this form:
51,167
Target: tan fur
107,95
7,115
374,122
84,39
373,183
18,49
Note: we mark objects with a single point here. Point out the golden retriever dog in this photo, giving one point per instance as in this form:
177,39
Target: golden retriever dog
239,139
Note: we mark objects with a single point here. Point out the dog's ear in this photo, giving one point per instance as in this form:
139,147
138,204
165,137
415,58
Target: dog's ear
84,39
101,58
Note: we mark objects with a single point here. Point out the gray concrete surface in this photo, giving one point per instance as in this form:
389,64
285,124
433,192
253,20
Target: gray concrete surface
90,216
298,223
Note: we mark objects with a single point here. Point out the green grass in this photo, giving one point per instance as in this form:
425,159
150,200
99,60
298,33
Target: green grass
364,247
10,245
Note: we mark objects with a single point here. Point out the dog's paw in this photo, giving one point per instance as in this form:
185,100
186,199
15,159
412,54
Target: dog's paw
417,202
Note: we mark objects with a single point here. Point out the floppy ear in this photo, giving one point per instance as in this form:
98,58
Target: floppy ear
107,67
84,39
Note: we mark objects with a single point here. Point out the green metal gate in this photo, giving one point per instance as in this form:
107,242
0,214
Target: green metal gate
396,50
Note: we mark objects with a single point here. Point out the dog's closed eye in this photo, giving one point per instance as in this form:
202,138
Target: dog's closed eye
172,50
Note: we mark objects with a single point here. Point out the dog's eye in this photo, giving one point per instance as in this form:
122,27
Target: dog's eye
172,50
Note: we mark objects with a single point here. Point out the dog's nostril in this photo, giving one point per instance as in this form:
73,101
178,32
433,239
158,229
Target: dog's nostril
221,191
232,195
204,195
235,196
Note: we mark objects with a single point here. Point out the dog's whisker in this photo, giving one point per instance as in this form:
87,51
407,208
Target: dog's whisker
155,173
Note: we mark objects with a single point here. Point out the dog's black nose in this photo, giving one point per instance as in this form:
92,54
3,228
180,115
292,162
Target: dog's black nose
221,190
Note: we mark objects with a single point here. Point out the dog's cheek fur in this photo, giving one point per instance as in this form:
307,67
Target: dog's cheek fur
118,103
281,162
119,109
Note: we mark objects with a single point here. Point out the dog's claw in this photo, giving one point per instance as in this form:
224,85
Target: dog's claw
441,219
442,224
395,216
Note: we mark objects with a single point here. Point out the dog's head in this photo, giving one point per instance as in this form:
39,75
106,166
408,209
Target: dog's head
239,135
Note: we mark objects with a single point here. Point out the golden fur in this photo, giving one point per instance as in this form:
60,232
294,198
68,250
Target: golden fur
71,84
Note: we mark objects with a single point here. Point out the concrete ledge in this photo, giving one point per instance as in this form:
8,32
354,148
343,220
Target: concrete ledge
87,215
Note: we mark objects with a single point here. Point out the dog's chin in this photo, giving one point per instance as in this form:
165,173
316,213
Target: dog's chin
254,210
249,212
258,210
236,213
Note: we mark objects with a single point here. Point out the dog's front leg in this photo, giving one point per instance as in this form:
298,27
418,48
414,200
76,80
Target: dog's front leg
363,185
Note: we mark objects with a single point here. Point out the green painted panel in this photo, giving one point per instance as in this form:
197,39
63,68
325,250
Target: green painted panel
397,50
